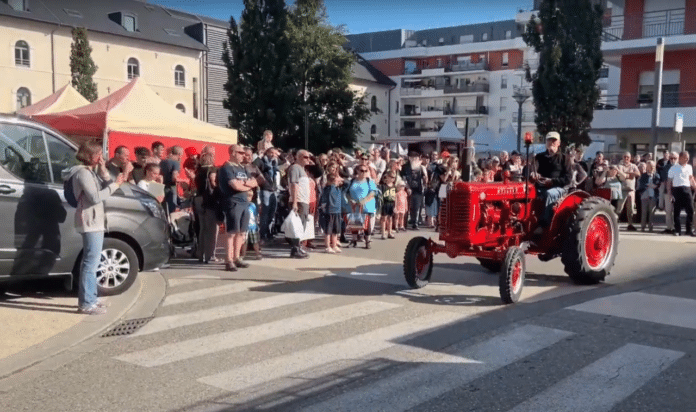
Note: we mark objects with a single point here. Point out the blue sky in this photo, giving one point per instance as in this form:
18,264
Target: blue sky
361,16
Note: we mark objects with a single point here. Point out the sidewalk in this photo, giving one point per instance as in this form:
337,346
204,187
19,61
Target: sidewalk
40,325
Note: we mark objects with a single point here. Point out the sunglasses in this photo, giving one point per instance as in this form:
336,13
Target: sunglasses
241,152
362,171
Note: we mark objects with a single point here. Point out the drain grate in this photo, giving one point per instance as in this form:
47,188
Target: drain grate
127,327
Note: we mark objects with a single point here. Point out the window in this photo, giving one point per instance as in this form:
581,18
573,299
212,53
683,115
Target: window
23,98
469,38
181,108
179,76
508,34
503,82
129,22
442,41
61,156
19,5
484,37
373,104
397,107
439,63
73,13
171,32
23,153
133,68
506,59
604,72
501,128
373,129
503,104
22,54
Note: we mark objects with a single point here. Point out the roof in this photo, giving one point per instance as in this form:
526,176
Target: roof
363,70
154,23
66,98
450,132
136,109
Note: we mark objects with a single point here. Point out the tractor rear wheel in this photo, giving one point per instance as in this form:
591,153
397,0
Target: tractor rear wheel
490,264
592,242
511,278
418,263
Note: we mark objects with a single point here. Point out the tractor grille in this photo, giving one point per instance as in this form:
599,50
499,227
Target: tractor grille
457,213
443,216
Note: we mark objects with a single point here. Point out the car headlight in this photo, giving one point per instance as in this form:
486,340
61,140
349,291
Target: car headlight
154,208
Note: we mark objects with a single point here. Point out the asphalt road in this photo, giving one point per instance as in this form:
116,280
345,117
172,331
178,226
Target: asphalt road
344,333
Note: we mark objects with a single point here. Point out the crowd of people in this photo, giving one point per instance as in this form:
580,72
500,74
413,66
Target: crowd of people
350,197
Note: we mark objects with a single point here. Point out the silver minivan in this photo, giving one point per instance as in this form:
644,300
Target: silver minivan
37,226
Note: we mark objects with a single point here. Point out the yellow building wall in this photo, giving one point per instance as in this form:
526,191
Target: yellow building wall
110,53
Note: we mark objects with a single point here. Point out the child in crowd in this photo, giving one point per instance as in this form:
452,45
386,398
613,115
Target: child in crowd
400,206
152,178
388,190
330,205
253,236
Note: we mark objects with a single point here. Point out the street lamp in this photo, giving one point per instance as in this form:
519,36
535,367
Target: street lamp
521,95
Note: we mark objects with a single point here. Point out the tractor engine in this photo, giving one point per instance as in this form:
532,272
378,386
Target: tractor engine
484,214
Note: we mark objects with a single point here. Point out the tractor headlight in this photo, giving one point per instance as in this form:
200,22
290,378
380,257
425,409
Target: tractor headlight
482,196
153,208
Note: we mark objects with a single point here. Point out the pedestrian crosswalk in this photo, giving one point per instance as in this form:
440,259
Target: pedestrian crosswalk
417,375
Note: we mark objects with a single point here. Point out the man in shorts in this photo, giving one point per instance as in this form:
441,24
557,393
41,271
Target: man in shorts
234,183
299,195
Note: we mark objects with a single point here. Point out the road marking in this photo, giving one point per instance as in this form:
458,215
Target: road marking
667,310
178,351
606,382
248,376
202,294
429,381
172,282
163,323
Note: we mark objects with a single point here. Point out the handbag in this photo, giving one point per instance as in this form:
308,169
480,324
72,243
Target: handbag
292,226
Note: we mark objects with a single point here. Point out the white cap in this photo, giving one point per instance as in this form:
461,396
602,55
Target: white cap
553,135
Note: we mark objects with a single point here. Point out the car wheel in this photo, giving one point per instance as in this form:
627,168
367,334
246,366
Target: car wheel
117,269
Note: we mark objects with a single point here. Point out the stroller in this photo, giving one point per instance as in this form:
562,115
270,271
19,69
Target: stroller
357,224
182,231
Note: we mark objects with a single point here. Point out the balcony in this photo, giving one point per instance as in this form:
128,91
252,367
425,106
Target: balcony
660,23
467,67
439,69
645,101
527,117
467,88
446,111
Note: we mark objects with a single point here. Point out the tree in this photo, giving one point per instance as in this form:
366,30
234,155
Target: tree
322,73
259,85
82,67
567,37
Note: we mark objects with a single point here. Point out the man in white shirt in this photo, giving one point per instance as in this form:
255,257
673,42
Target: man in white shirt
681,180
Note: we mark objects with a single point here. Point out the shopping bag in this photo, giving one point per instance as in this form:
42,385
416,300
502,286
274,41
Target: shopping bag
356,222
309,229
292,226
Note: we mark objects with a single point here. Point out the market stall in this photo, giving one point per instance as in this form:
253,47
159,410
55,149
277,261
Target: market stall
136,116
66,98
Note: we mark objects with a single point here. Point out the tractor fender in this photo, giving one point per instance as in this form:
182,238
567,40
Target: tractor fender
564,211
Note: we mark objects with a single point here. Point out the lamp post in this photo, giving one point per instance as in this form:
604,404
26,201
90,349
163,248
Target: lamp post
520,97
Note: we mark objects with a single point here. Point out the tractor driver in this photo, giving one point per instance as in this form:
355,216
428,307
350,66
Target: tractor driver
552,175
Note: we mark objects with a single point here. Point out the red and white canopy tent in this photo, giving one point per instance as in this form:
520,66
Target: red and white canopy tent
66,98
136,116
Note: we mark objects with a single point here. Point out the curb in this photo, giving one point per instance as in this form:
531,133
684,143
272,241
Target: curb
72,343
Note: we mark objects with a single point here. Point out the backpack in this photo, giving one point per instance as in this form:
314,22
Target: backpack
69,192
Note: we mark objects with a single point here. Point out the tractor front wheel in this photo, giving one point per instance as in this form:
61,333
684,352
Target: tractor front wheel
592,243
418,263
511,278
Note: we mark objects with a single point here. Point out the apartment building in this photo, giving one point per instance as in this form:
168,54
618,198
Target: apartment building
470,73
630,31
177,54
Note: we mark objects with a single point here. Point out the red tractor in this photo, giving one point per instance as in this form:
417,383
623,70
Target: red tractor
495,223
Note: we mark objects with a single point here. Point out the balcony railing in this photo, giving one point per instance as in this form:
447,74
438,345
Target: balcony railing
448,111
646,25
467,88
644,101
527,117
452,67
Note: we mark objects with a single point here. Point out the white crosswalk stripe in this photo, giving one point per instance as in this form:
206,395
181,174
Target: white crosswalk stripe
207,293
604,383
173,282
220,312
228,340
432,380
667,310
424,375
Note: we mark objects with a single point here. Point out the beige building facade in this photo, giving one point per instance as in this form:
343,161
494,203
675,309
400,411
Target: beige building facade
36,62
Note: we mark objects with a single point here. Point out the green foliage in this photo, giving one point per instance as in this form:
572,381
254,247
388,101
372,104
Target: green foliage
283,63
259,84
82,67
567,36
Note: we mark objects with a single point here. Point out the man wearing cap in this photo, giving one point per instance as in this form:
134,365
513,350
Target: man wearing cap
628,173
552,175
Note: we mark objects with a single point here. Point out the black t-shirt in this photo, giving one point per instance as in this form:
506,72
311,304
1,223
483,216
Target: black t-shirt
167,169
229,172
